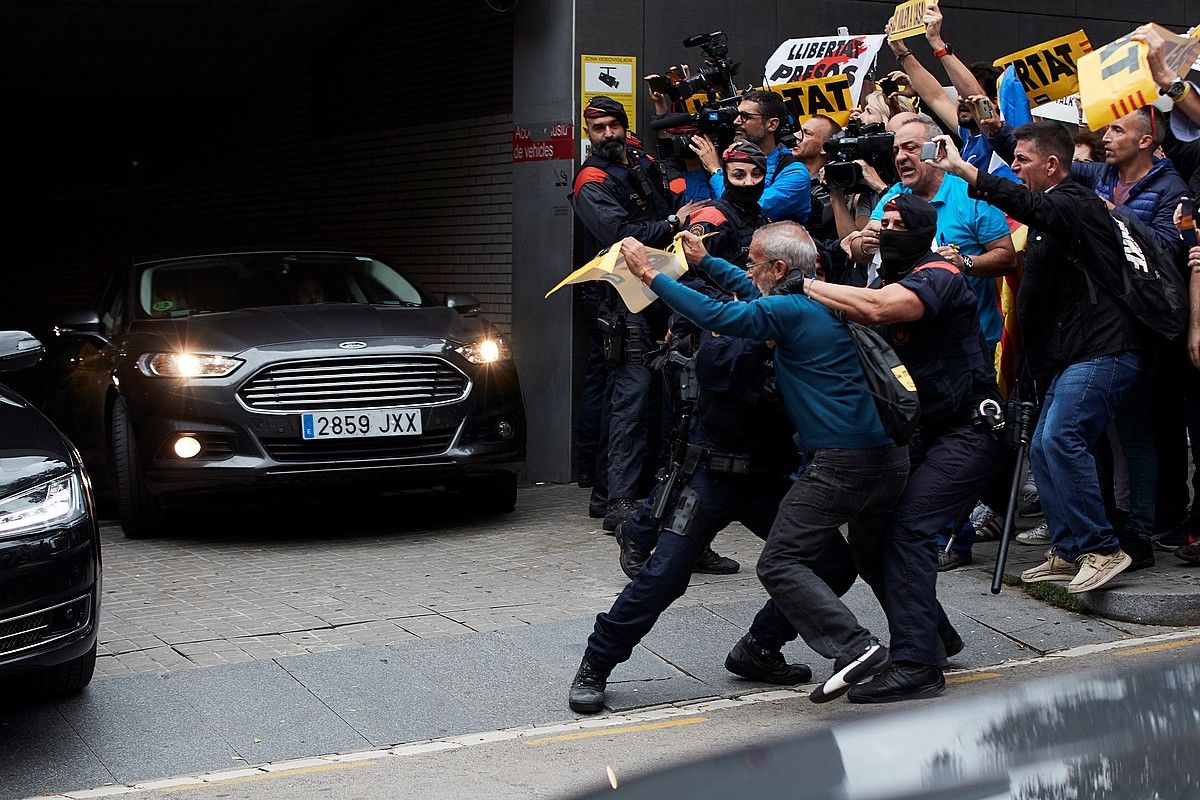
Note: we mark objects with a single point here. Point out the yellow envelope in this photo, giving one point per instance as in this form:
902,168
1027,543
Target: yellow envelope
1115,80
610,266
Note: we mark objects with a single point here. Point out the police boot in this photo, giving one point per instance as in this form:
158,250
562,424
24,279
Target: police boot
597,504
633,557
711,562
587,690
754,662
618,512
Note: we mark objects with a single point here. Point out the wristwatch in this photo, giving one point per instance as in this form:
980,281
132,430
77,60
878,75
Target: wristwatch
947,50
673,221
968,263
1175,89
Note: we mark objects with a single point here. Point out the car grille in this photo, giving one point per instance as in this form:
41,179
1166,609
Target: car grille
430,443
41,627
351,383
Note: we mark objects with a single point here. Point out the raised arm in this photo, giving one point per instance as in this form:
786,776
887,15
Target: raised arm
960,77
927,87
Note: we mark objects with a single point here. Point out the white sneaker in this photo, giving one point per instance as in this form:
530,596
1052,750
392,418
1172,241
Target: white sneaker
1036,536
1096,570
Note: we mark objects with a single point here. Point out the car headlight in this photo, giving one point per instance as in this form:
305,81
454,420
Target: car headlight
186,365
56,502
485,351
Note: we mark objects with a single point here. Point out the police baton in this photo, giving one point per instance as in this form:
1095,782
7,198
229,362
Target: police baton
1025,417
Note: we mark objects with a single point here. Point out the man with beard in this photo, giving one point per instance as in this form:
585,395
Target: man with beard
619,191
788,193
855,473
929,308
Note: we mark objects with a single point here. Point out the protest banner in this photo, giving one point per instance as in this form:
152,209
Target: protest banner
1116,80
1049,71
610,266
906,21
824,57
828,96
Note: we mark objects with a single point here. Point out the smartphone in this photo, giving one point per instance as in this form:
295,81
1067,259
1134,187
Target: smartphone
889,87
1187,222
929,151
983,109
660,84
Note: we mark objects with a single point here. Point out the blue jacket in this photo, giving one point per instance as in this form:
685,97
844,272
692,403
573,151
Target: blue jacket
788,195
816,364
1152,199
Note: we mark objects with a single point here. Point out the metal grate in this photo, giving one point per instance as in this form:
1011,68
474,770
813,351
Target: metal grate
335,450
337,384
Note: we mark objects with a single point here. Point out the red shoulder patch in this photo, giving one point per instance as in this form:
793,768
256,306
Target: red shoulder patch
678,185
938,265
589,175
710,214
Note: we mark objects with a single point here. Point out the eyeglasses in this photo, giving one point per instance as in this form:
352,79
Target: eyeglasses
745,115
757,265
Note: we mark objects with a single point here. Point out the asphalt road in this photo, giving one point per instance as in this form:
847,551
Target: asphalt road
562,764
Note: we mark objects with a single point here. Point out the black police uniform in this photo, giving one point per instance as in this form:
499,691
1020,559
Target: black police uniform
953,457
612,201
741,456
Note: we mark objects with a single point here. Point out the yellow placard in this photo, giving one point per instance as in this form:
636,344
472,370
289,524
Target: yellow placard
1116,80
830,97
907,20
610,266
611,76
1049,71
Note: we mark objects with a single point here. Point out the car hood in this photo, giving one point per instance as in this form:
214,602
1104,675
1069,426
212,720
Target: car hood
32,450
235,331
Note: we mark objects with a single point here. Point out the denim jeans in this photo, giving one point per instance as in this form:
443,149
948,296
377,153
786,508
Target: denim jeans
752,500
859,487
1078,405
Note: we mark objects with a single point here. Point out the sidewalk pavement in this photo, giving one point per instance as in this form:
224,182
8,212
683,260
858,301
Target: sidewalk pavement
522,591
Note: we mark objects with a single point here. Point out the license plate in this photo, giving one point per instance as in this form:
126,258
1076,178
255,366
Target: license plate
361,424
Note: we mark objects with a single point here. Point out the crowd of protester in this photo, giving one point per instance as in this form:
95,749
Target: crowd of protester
995,269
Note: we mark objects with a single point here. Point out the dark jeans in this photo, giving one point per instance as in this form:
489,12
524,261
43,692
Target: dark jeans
1078,405
752,500
950,468
1177,421
859,487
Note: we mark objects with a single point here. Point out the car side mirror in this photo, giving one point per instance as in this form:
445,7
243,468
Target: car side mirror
19,350
84,325
465,304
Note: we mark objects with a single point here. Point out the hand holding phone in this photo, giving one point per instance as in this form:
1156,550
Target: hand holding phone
982,109
930,151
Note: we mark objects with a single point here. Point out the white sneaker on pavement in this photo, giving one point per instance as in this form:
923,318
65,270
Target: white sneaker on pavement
1035,536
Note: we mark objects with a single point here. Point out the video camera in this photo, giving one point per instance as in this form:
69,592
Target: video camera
715,80
870,143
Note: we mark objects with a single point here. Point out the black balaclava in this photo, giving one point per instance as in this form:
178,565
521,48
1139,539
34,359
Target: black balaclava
899,251
745,198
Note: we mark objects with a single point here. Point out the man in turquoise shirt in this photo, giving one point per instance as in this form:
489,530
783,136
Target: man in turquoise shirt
971,235
855,473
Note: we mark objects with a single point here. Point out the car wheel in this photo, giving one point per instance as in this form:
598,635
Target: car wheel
495,494
64,679
139,512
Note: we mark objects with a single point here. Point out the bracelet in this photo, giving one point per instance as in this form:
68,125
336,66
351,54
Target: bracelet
945,51
900,56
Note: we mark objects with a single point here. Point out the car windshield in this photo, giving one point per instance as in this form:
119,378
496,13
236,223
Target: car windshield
254,280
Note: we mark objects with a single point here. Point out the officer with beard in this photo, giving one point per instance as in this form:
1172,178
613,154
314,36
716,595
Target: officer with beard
619,191
929,308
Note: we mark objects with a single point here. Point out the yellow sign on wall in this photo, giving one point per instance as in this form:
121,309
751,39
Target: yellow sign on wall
1049,71
907,19
1115,80
611,76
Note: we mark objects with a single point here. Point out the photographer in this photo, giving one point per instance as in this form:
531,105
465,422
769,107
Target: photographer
809,150
929,308
760,115
620,191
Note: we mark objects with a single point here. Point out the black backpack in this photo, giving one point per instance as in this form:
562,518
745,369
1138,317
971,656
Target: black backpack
888,382
1152,287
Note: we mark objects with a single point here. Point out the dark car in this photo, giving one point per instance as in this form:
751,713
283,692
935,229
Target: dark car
49,543
1131,735
330,371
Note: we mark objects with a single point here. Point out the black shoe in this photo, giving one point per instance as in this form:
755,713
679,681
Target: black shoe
633,557
1177,537
754,662
902,680
587,690
618,512
597,505
711,562
1140,549
953,560
1187,553
1033,509
847,674
585,481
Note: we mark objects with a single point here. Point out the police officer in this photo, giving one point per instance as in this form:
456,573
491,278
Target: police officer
619,191
930,310
735,465
733,219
